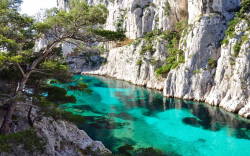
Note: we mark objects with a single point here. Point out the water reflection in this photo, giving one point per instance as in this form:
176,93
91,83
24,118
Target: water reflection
130,118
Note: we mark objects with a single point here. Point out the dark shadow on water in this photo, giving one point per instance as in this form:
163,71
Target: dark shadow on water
100,127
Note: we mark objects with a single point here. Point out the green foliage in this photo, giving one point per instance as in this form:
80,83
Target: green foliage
42,27
136,42
3,58
175,55
139,62
120,22
167,8
81,86
51,109
79,15
148,47
110,35
245,7
58,95
225,41
212,63
54,66
28,139
231,28
15,29
149,36
59,114
240,15
238,45
175,58
237,48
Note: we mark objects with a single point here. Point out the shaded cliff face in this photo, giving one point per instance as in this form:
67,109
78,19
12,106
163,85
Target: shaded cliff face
211,71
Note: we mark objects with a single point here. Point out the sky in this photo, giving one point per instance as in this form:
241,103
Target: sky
32,7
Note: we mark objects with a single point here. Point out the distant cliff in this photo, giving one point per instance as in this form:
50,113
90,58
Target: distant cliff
210,61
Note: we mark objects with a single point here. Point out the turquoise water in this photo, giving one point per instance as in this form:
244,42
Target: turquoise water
123,115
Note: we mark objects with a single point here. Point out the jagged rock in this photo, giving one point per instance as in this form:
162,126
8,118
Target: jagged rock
65,139
193,79
61,138
127,63
232,79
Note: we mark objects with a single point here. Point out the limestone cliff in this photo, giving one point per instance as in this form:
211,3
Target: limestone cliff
211,71
59,138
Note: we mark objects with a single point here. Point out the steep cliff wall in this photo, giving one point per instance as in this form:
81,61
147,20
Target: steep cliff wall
211,72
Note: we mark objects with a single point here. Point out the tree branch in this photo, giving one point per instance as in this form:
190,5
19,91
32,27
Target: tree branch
21,69
41,72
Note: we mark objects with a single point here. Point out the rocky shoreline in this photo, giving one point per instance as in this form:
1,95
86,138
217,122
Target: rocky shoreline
57,137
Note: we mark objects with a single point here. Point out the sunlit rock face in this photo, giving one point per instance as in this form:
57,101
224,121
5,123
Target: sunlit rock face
226,85
193,78
225,8
232,79
137,17
127,63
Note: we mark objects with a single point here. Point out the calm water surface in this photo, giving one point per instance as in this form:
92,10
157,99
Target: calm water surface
127,117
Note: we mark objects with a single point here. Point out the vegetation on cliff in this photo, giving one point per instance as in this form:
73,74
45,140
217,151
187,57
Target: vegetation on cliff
26,70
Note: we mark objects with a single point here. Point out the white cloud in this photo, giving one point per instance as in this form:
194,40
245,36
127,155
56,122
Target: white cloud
32,7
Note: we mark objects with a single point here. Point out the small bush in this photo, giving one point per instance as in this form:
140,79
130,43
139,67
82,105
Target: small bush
59,114
245,6
167,9
237,48
139,62
28,139
110,35
212,63
59,95
147,48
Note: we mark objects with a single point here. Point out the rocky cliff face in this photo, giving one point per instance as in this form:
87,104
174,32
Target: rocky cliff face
134,63
60,138
211,72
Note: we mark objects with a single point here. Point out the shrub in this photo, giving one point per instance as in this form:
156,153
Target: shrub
139,62
110,35
167,8
147,48
237,48
58,95
245,6
59,114
175,55
212,63
28,139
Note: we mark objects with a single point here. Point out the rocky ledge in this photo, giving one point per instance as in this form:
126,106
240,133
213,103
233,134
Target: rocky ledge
57,138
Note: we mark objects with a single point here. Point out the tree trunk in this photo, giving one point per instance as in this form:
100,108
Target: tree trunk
5,128
29,117
6,125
